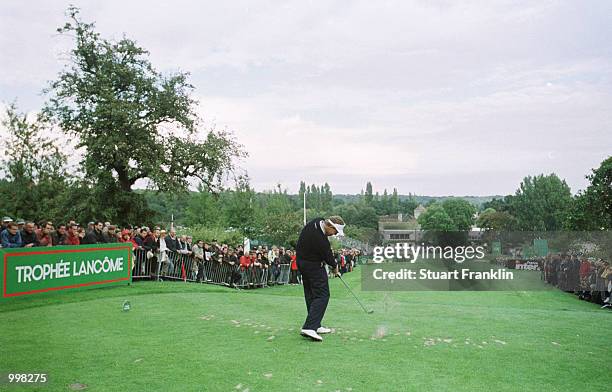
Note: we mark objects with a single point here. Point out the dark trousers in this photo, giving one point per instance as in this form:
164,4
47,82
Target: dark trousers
201,273
293,277
316,292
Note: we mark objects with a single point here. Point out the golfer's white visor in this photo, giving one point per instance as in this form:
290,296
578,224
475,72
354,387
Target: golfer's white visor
338,227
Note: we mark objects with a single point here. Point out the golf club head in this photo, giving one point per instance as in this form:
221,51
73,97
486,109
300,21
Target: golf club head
370,311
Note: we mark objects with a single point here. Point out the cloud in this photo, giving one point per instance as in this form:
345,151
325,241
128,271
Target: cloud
430,97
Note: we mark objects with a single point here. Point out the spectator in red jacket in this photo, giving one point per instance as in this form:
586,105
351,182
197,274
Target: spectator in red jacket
245,262
135,241
585,271
585,268
44,235
294,277
125,236
72,235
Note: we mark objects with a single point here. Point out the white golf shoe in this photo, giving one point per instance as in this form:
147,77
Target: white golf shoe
312,334
323,330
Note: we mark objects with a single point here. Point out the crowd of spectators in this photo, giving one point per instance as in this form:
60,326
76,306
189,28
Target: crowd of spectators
27,234
162,254
590,279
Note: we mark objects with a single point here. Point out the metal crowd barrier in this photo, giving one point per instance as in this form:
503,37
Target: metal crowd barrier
220,273
178,266
253,277
283,277
143,265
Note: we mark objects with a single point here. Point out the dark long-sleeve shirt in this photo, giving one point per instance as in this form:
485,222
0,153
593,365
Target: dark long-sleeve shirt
172,243
149,243
29,238
313,245
11,240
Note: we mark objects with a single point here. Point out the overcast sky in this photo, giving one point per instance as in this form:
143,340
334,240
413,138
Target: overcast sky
431,97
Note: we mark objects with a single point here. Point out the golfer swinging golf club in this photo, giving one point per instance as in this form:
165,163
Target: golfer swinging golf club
313,251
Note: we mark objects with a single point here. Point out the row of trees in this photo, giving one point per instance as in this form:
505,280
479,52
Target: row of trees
275,216
541,203
388,204
545,203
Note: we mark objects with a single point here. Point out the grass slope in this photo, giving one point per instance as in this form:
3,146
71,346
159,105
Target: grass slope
189,337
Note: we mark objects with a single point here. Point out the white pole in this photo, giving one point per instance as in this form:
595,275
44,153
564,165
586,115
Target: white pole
304,207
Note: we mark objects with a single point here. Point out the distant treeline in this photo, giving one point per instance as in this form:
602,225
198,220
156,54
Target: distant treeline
477,201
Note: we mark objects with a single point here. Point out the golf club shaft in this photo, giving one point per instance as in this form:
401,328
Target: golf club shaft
354,295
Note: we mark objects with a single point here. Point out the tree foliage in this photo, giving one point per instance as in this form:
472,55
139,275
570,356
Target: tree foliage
369,197
132,122
34,168
541,203
490,219
358,215
461,213
436,218
447,223
239,208
592,208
